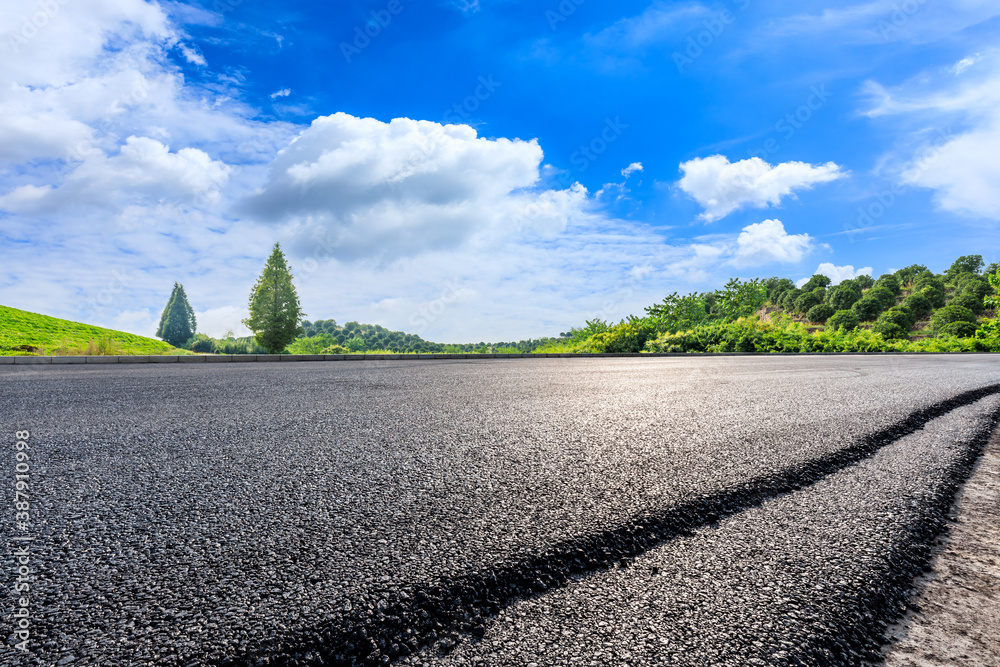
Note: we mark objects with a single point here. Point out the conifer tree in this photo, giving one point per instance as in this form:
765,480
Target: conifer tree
275,314
177,323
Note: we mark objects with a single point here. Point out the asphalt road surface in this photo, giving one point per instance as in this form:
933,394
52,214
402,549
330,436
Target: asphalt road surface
675,511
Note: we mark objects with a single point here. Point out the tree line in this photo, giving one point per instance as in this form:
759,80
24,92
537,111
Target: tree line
909,309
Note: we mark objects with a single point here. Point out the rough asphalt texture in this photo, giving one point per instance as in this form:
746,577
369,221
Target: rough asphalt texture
954,620
491,512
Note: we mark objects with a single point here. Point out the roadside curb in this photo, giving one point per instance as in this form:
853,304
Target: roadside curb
258,358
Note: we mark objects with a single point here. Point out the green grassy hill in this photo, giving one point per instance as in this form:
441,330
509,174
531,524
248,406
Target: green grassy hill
24,333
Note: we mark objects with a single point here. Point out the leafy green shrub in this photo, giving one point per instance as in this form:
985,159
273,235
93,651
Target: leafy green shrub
890,282
626,336
968,301
868,308
949,315
232,345
935,296
884,296
809,299
900,315
356,344
959,329
776,288
788,299
974,285
741,299
844,295
202,344
927,278
842,319
743,335
675,313
889,330
334,349
314,344
918,305
820,313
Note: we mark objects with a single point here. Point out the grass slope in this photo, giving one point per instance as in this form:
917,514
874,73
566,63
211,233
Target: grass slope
24,333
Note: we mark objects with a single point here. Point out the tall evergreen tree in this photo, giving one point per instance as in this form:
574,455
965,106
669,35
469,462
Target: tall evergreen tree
275,314
177,323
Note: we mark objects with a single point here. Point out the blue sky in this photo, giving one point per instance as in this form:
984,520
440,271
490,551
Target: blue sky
485,170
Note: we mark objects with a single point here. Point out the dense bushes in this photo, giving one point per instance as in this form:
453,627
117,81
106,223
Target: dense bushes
949,315
894,324
900,316
807,300
627,336
890,282
820,313
816,282
204,344
969,302
865,282
889,331
201,344
868,308
789,298
843,319
885,297
959,329
844,295
752,335
918,305
860,314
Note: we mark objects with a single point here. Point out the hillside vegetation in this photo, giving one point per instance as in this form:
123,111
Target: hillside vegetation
24,333
910,310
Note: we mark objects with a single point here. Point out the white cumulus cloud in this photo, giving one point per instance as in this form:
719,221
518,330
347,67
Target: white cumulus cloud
361,188
143,170
722,187
766,242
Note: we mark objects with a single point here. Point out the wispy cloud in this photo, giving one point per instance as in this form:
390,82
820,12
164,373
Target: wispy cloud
962,169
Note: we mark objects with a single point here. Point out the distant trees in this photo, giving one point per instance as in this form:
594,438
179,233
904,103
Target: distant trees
177,323
275,314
